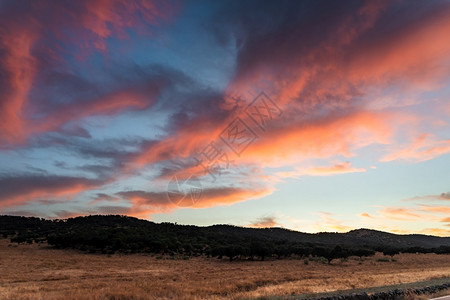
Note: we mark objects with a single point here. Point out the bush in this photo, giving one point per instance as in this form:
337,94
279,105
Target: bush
362,252
383,260
391,251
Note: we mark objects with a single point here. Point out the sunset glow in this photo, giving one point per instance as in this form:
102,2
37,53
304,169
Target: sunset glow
308,115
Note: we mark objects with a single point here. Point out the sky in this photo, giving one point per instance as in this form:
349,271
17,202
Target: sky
308,115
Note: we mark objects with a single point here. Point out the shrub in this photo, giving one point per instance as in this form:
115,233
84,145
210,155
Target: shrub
383,260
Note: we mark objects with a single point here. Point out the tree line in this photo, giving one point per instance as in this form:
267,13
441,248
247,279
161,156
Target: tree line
112,234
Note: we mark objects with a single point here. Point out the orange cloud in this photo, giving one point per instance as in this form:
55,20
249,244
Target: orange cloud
88,23
436,209
421,149
107,18
329,223
303,66
403,56
19,65
184,144
147,203
339,135
282,145
411,215
20,190
402,214
334,80
264,222
17,127
339,168
339,69
436,231
366,215
343,74
110,105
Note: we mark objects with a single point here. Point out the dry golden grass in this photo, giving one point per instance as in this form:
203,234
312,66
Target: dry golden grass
33,272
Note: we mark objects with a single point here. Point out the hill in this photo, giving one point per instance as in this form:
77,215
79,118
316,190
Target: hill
355,237
113,233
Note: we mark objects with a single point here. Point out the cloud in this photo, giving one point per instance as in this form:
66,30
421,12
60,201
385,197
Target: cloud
105,158
440,197
285,143
421,149
339,168
400,218
366,215
324,137
445,196
110,105
17,190
352,54
101,197
17,67
329,222
329,125
436,209
146,203
342,73
436,231
287,46
402,214
264,222
347,69
190,128
37,47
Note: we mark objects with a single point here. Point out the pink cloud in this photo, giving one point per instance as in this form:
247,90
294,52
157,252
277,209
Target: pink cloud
148,203
423,148
264,222
339,168
85,24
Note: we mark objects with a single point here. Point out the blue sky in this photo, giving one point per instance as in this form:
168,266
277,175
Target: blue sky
308,115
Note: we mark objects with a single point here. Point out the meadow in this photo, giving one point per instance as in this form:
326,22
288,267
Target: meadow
40,272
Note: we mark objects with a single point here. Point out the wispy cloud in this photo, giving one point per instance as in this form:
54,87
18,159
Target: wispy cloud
339,168
105,101
264,222
421,149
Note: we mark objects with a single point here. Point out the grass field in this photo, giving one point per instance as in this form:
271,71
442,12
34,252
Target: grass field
38,272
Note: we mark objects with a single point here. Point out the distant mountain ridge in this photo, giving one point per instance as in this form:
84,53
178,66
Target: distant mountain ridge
358,237
34,227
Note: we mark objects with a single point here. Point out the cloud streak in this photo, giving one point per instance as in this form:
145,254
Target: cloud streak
39,45
17,190
105,101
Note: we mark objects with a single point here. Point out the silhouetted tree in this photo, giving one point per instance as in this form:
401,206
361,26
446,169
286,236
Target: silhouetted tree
391,251
362,252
